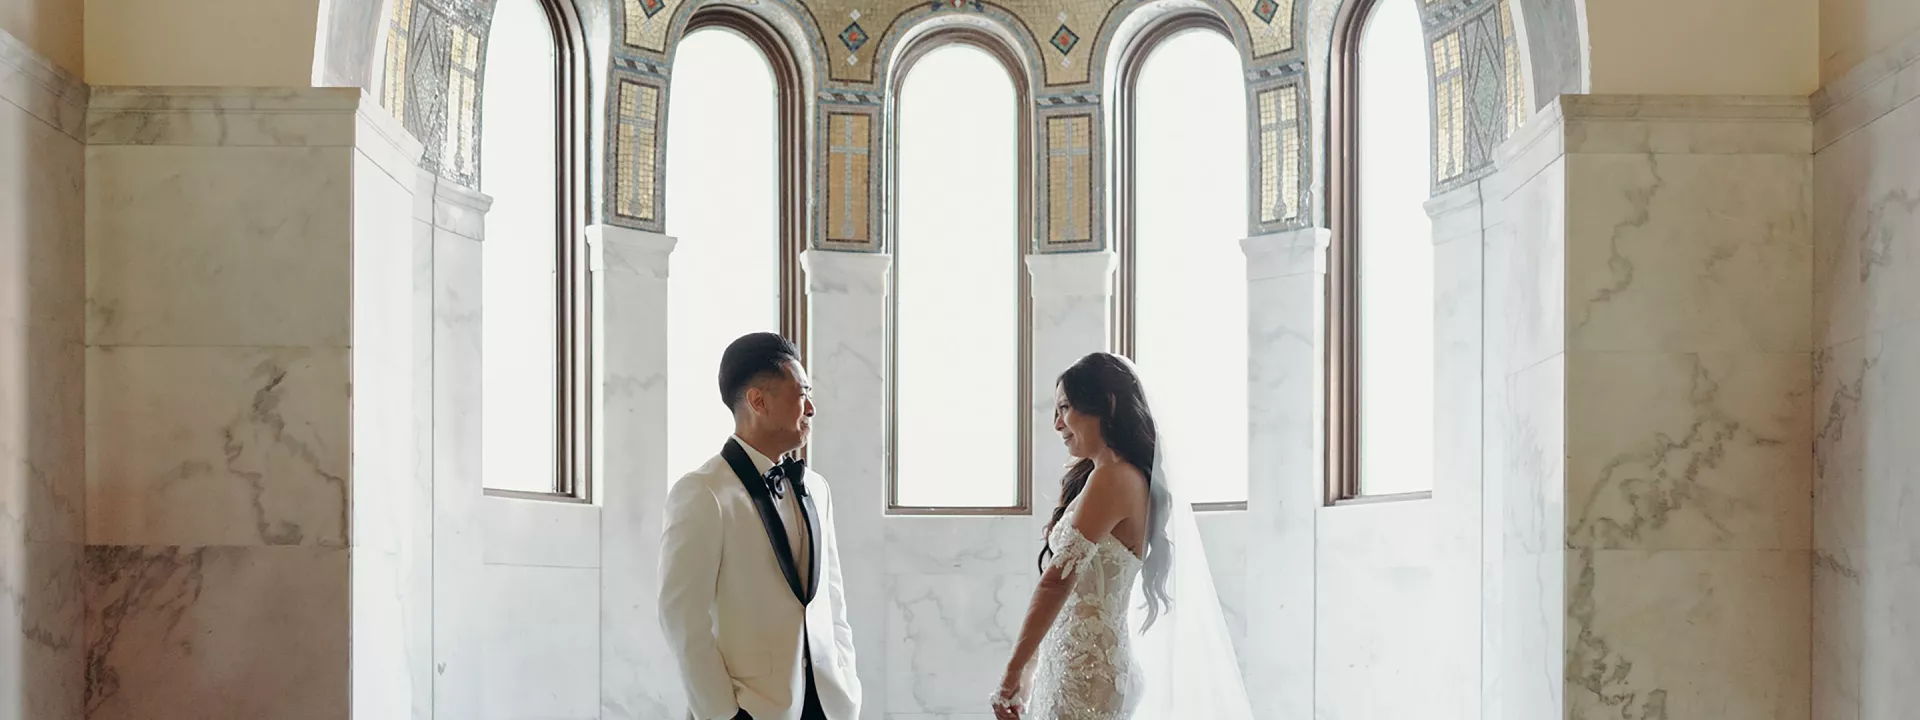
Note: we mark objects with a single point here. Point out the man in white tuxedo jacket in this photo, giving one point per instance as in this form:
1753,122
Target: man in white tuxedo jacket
750,593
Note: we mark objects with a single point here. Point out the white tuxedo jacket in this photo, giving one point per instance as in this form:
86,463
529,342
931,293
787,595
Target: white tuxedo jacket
730,616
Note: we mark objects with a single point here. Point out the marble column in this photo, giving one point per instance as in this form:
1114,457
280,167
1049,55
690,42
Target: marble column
638,677
449,223
847,325
1649,270
42,393
1866,402
254,511
1285,275
1071,311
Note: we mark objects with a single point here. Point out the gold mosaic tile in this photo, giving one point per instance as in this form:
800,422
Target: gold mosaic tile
1449,109
1070,178
647,22
634,150
1269,38
1279,113
1516,92
463,67
849,166
393,93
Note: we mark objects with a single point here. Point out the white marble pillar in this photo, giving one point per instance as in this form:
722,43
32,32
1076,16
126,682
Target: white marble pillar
254,517
449,223
1459,569
1071,310
42,386
1688,427
1285,275
638,677
1866,403
846,348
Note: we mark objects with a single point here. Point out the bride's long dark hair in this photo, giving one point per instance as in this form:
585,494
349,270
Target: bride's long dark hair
1105,386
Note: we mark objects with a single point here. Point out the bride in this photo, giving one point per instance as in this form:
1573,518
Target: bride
1102,639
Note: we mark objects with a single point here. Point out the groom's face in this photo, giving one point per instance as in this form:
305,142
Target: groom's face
785,406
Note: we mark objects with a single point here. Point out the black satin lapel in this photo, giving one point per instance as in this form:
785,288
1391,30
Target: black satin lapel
737,459
808,513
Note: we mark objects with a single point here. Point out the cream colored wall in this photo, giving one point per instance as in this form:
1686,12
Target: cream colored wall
52,28
199,42
1707,47
1853,30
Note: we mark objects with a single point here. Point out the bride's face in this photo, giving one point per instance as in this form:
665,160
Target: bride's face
1080,431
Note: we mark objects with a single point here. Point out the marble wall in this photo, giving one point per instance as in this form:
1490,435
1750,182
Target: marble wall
1649,262
1866,397
42,376
255,541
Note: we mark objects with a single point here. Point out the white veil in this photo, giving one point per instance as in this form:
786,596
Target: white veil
1187,657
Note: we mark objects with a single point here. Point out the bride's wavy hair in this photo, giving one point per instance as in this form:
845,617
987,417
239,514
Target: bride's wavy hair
1105,385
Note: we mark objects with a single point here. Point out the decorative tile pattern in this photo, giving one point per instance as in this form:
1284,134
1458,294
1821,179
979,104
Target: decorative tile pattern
849,168
646,23
1064,39
461,148
1265,10
634,151
1070,177
853,37
1449,109
393,91
1515,94
424,87
1279,154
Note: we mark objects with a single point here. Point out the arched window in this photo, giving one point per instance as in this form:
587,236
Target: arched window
534,298
1380,322
734,185
1182,209
959,325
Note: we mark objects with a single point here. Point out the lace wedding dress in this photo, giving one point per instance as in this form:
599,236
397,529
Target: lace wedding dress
1086,669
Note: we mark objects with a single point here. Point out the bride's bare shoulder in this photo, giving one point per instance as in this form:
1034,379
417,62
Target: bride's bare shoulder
1117,480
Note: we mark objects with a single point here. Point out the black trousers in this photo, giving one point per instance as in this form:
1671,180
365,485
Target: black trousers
809,708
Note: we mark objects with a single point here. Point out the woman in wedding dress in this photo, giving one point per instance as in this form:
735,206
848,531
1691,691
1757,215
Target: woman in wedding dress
1082,654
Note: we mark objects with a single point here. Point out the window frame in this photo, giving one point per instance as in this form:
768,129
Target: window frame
790,143
1125,193
1342,293
573,282
996,48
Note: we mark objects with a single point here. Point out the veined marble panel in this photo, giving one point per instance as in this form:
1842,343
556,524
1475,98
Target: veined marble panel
229,632
458,545
1867,201
42,373
949,637
1688,253
219,246
962,545
540,661
1687,633
224,116
1688,125
217,446
1378,616
43,659
1688,451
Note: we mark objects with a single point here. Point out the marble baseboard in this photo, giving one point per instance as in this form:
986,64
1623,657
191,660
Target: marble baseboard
1687,634
43,654
1688,451
231,632
217,446
219,246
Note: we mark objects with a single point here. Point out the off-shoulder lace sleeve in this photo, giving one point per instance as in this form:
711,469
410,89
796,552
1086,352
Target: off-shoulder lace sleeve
1076,552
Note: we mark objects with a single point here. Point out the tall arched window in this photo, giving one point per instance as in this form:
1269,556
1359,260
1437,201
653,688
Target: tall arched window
534,297
733,201
1182,204
959,326
1380,323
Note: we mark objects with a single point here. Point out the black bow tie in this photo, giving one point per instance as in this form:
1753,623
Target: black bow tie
791,470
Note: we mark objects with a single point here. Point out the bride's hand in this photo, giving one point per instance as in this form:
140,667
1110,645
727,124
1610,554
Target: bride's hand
1007,703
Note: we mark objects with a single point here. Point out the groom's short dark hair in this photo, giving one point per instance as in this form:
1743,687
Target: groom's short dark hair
750,358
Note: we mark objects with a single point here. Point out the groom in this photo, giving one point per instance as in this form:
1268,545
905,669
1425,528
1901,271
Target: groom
750,594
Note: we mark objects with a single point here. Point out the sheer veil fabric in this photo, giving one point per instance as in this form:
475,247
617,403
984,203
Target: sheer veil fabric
1191,669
